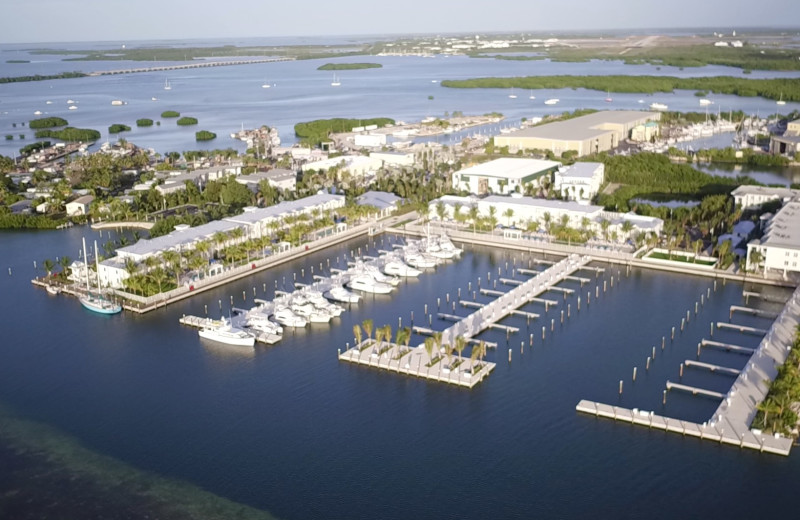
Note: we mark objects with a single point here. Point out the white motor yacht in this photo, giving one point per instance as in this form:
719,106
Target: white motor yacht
446,245
376,273
286,317
366,283
262,323
228,334
418,260
395,267
311,313
338,293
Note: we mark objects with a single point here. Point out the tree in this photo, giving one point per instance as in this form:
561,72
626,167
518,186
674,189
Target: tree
547,218
367,325
756,257
460,344
48,266
492,217
429,343
604,224
441,211
65,262
508,214
473,216
173,259
158,276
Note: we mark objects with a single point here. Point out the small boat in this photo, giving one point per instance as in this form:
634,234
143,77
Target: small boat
228,334
262,323
70,102
311,313
658,106
512,95
37,113
117,103
53,289
552,101
641,101
531,96
780,101
336,82
167,86
368,284
398,268
338,293
609,99
705,102
48,102
73,107
419,260
265,85
153,98
434,81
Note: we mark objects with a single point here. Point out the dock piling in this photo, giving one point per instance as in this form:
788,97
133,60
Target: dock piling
683,322
569,308
680,371
509,355
664,397
620,387
552,324
663,339
206,309
634,373
654,352
647,364
712,329
562,316
220,304
543,333
673,334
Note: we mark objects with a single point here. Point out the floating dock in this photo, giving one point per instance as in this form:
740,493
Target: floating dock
414,361
201,323
718,369
694,390
730,423
741,328
727,346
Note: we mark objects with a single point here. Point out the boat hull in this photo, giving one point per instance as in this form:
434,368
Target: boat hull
101,307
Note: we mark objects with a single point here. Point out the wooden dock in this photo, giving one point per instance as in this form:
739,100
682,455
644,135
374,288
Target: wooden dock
414,361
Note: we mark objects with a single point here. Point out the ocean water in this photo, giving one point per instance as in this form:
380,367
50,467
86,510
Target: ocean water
292,430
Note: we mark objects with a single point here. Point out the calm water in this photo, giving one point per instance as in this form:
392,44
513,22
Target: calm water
290,429
225,98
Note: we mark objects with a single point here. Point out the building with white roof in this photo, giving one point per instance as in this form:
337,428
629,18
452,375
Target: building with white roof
256,222
279,178
581,181
524,209
779,247
752,197
79,206
503,176
355,165
394,158
387,203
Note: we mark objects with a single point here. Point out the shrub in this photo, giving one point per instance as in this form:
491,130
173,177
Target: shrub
204,135
170,113
187,121
117,128
144,122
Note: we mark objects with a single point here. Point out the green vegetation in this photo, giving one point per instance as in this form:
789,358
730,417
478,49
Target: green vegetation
11,221
47,122
315,132
679,257
775,414
117,128
70,134
685,118
9,137
654,177
767,88
349,66
144,122
749,57
509,57
33,147
204,135
186,121
38,77
748,156
566,115
18,61
170,113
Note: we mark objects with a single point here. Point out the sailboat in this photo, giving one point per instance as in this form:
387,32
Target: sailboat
167,86
512,95
531,96
609,99
96,303
266,85
335,82
781,101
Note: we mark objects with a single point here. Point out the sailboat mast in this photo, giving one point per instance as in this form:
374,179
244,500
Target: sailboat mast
97,264
86,264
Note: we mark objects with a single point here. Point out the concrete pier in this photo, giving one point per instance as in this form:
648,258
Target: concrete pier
727,346
741,328
755,312
712,368
694,390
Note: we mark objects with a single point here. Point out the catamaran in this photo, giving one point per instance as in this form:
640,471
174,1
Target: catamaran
96,302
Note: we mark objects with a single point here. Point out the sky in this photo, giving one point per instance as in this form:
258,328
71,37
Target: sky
24,21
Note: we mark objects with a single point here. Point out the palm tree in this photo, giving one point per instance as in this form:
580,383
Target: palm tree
357,333
627,227
460,344
508,214
379,335
547,218
585,223
48,266
441,210
65,262
367,325
473,216
604,223
173,259
755,259
492,217
159,276
457,216
429,343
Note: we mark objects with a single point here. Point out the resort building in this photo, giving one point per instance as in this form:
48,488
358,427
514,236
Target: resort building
355,165
255,222
394,158
517,211
752,197
581,181
503,176
279,178
592,133
386,203
779,248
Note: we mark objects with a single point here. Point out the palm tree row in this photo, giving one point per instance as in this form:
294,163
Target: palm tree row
776,414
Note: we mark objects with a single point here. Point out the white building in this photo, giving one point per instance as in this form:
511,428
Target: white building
256,222
525,209
277,178
79,206
369,140
503,176
394,158
581,181
752,197
355,165
780,246
176,181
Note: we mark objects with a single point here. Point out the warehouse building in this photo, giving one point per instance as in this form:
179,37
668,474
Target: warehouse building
592,133
503,176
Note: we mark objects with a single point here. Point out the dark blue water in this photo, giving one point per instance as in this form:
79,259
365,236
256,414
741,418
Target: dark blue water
290,429
225,98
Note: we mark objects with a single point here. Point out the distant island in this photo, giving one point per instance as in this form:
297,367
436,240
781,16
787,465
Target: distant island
315,132
349,66
787,89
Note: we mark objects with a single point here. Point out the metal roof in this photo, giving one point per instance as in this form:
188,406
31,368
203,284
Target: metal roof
509,168
585,127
